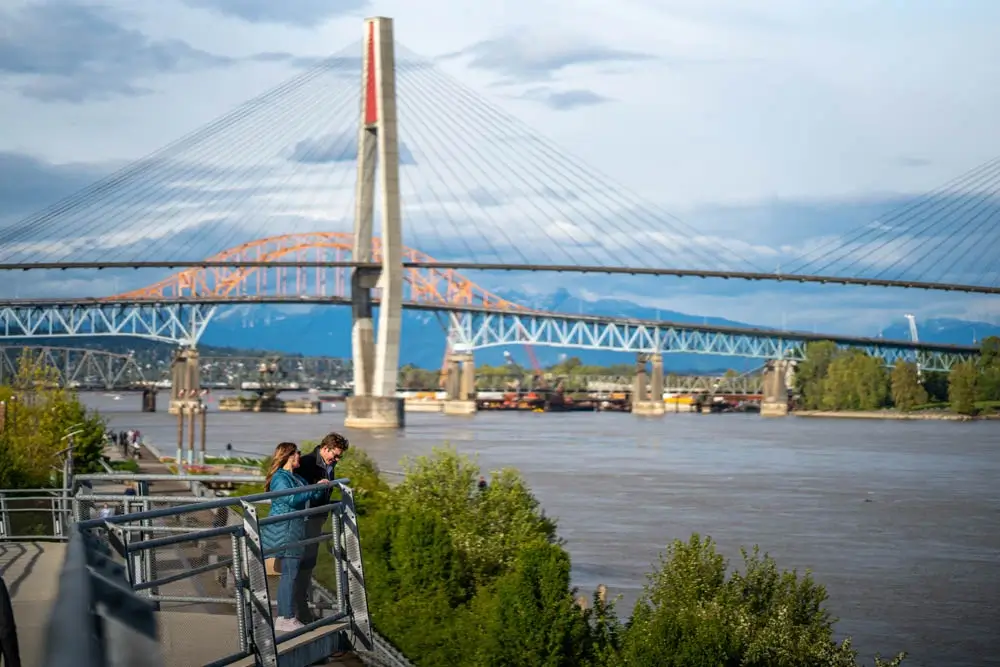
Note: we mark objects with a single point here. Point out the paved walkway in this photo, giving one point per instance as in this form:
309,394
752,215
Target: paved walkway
31,572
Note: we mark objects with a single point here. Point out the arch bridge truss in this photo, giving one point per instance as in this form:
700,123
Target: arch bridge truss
179,308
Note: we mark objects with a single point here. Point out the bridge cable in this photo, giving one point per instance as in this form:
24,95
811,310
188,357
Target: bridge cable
545,150
466,132
490,118
948,207
970,232
881,221
226,203
136,168
882,224
952,206
412,113
54,220
336,151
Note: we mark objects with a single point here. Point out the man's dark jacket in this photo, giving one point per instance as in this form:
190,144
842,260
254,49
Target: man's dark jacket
312,469
10,653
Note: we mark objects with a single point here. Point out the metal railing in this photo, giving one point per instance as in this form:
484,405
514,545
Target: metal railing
158,552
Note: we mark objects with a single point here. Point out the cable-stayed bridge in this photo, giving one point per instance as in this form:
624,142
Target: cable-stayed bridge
480,192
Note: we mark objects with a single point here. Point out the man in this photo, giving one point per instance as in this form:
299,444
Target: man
315,466
10,653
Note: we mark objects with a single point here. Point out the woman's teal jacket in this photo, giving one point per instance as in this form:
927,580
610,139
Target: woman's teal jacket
294,530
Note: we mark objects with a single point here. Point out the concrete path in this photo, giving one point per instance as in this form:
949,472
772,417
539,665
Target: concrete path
31,571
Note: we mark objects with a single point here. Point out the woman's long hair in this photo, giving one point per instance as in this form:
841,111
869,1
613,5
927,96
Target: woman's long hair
282,453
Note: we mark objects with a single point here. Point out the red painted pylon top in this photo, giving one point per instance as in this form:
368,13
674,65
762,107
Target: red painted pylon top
371,99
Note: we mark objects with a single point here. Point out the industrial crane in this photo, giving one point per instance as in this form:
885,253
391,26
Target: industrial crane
915,337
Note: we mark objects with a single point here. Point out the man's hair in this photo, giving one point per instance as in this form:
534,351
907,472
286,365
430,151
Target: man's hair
334,441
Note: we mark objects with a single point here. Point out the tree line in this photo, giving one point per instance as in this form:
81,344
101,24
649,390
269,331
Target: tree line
35,418
834,379
470,577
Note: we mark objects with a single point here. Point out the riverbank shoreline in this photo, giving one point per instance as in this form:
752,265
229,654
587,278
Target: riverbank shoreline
892,415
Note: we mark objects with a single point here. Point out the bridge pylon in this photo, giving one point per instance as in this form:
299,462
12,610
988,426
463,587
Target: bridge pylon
376,357
185,379
648,402
461,383
778,376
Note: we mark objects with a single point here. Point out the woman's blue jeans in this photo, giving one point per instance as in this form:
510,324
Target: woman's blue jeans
286,587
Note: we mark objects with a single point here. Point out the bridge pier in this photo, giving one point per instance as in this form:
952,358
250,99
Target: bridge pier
461,385
149,400
647,399
185,378
774,402
193,409
374,404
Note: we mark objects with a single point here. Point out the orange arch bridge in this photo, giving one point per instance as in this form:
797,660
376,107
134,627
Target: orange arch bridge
427,286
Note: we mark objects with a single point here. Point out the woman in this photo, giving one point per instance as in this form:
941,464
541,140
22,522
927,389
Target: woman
282,476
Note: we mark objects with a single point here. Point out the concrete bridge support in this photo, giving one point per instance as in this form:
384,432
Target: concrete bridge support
648,400
185,378
192,414
461,385
774,402
376,358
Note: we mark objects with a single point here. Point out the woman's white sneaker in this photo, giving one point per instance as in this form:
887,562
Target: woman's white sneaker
282,624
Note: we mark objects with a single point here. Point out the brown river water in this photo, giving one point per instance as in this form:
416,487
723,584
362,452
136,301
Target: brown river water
900,520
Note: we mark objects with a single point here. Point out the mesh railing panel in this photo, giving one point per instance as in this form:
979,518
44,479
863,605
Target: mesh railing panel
261,623
32,514
202,568
360,621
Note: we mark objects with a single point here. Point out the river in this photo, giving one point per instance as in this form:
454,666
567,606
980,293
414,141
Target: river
900,520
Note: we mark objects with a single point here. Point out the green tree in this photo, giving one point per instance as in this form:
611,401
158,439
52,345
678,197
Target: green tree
417,584
962,387
854,381
39,416
988,386
489,527
692,614
528,617
936,384
811,373
907,392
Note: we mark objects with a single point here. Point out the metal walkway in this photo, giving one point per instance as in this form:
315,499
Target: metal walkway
175,580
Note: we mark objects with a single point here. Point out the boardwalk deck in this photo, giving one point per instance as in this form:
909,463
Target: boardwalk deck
189,635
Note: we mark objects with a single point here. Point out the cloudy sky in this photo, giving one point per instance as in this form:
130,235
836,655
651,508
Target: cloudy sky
769,130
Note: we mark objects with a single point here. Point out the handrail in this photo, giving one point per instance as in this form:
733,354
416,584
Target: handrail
135,537
342,483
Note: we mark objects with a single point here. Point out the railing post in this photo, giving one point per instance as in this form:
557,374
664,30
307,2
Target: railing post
264,643
357,596
337,549
4,517
54,506
239,582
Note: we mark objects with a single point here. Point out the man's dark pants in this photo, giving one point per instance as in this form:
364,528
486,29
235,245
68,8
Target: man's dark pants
303,580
